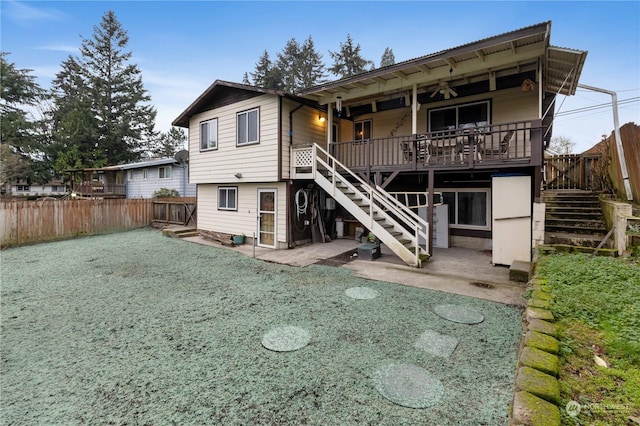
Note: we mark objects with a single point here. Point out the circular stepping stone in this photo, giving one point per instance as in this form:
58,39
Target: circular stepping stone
408,385
362,293
286,339
460,314
437,344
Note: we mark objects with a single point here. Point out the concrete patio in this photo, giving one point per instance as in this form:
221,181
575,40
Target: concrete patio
454,270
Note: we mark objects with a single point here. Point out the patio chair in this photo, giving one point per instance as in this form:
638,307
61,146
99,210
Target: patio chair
503,148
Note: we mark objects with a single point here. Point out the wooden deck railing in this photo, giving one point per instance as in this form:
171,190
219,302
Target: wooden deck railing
100,190
507,143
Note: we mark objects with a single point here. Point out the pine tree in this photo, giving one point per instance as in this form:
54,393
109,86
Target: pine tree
311,69
120,102
245,79
287,65
169,143
21,144
348,61
266,75
388,58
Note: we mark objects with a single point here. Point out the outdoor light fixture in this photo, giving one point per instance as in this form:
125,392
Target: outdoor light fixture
321,119
238,175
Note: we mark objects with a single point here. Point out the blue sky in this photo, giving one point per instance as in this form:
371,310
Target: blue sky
183,46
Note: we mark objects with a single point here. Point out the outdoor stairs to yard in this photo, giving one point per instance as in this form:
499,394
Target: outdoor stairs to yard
392,223
574,218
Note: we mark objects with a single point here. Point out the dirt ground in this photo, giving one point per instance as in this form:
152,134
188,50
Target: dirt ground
137,328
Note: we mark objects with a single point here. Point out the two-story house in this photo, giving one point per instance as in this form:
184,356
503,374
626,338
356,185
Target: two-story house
466,126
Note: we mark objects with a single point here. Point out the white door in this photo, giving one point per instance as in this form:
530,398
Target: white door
267,205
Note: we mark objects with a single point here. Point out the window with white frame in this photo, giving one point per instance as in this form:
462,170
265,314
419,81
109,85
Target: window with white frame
362,130
248,127
468,208
23,188
130,175
145,173
209,134
164,172
227,198
476,114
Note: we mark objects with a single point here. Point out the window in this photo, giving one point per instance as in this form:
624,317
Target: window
209,135
164,172
362,130
248,127
227,198
23,188
144,173
468,208
450,118
130,175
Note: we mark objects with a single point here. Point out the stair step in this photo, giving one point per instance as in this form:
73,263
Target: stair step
578,222
583,240
576,230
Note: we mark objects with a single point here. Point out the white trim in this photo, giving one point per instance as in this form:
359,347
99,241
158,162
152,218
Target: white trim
275,217
247,113
211,144
455,224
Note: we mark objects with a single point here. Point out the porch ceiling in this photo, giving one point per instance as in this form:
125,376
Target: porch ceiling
504,54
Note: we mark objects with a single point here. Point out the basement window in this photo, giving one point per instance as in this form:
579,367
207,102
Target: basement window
468,208
228,198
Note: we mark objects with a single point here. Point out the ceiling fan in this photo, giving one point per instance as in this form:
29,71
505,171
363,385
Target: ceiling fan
444,88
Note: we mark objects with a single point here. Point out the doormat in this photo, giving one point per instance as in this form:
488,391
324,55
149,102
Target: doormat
408,385
460,314
286,339
437,344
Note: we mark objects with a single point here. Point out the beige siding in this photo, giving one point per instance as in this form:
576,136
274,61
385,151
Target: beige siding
244,220
255,162
307,129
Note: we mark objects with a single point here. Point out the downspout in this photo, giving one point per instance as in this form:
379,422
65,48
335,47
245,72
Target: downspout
616,129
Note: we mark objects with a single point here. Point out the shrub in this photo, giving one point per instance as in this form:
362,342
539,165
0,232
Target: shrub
166,193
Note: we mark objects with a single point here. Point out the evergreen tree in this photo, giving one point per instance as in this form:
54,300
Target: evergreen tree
287,65
119,101
388,58
169,143
245,79
311,71
266,75
21,145
348,60
76,129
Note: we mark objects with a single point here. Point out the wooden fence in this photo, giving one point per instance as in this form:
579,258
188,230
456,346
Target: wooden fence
630,135
25,222
572,171
178,211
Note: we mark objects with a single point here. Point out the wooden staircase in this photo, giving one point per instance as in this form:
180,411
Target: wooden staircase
398,227
574,218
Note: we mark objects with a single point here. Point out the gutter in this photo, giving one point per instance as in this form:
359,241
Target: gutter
616,129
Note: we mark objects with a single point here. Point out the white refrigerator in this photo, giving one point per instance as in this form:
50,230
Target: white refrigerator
511,206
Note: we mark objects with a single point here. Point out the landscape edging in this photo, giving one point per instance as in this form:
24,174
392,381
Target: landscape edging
537,390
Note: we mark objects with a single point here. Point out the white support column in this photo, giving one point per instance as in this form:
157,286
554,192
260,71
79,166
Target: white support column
414,109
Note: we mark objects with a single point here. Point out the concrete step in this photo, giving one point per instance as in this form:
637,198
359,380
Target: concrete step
575,229
582,240
571,222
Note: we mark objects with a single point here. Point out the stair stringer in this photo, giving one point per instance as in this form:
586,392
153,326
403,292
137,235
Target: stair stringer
407,256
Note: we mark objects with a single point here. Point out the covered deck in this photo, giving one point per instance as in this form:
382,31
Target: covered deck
106,182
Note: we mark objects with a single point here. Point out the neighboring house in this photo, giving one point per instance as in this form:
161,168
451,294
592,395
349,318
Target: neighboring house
135,180
22,187
470,123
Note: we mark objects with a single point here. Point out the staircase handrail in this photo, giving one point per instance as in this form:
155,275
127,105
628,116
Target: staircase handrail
418,225
403,207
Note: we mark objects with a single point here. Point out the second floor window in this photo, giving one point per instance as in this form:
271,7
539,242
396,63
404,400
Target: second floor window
164,172
362,130
209,134
248,127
